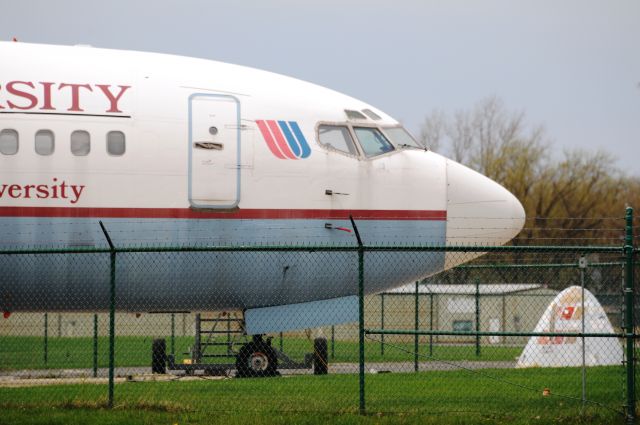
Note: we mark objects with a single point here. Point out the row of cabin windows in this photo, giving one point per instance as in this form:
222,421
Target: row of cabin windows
45,142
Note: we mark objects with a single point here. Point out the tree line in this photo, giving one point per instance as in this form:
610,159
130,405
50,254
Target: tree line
576,197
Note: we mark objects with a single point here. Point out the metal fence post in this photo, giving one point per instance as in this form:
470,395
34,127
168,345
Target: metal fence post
112,314
504,317
362,408
582,264
431,324
229,334
382,324
629,319
416,325
477,317
173,335
333,342
195,353
46,338
95,345
112,325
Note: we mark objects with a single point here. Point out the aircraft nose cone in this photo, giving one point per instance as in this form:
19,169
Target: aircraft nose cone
480,212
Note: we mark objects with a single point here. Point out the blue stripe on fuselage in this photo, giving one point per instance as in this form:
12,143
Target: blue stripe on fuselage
63,232
295,147
306,150
205,281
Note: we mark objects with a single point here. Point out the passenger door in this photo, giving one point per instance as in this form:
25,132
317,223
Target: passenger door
214,151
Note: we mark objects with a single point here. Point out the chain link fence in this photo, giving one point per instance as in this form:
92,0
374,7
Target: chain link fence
518,328
500,328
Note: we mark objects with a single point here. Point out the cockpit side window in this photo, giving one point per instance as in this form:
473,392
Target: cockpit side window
401,137
337,137
372,141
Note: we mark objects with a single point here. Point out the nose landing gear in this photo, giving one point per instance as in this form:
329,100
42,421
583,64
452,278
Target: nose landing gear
257,359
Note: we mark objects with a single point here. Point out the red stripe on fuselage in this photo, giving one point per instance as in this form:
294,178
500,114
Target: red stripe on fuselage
282,144
269,139
238,214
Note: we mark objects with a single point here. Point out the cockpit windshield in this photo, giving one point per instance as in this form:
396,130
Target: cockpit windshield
372,141
401,137
359,140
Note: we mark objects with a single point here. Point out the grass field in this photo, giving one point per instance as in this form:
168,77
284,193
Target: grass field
28,352
453,397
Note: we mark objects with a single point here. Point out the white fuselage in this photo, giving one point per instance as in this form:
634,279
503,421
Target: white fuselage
176,151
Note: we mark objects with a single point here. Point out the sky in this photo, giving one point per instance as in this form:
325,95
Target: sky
571,66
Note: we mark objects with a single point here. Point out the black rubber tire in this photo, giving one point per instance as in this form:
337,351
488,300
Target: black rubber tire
320,356
256,359
159,356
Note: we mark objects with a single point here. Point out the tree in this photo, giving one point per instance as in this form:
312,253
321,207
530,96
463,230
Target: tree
579,198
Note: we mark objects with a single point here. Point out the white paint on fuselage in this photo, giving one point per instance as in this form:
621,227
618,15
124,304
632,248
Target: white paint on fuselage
154,168
153,175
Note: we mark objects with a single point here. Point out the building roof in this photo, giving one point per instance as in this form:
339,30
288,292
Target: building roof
485,289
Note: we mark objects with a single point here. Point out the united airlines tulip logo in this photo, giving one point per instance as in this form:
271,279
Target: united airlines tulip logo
284,139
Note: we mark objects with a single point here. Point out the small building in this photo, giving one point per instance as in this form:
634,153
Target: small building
490,307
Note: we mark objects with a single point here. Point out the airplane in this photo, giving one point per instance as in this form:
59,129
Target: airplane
175,151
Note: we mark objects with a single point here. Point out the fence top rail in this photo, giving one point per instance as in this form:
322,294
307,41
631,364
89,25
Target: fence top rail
538,265
511,249
496,333
483,296
318,248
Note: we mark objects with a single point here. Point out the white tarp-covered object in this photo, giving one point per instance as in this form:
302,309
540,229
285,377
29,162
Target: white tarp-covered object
565,314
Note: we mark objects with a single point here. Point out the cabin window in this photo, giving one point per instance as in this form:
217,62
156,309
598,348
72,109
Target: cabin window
80,143
372,141
44,142
337,137
401,137
9,142
116,144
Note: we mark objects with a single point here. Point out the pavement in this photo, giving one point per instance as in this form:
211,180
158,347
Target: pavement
38,377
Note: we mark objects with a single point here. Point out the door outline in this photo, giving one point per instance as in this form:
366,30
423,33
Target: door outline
238,151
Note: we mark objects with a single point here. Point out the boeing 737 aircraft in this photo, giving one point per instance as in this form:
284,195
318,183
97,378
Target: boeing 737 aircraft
174,151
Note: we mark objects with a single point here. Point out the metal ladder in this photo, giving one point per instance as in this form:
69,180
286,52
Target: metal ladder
225,330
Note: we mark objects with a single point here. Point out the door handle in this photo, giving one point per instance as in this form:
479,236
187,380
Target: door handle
213,146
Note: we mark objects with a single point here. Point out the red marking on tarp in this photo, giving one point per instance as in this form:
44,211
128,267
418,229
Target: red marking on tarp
568,312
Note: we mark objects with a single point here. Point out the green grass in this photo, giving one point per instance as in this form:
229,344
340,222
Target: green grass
28,352
453,397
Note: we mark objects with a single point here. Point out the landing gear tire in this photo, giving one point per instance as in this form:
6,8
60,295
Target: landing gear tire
256,359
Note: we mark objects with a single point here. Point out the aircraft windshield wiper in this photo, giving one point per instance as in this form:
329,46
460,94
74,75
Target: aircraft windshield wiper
407,145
